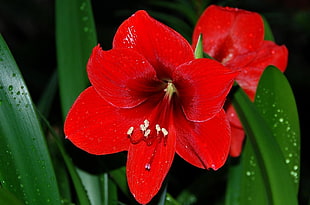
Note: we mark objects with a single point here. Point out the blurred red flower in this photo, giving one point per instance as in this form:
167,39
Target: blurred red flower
235,37
150,96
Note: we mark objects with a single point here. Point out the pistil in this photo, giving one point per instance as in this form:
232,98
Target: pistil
170,90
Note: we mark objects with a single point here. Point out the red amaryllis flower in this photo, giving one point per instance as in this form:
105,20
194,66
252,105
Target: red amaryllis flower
152,98
235,37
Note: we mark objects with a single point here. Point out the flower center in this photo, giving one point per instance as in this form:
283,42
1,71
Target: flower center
170,89
154,129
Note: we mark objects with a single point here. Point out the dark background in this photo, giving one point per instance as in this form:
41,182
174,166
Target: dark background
28,28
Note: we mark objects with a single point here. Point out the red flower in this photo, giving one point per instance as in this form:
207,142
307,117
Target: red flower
235,38
152,98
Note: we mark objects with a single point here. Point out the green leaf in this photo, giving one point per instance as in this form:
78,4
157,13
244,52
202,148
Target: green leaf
7,198
246,185
46,100
109,190
199,48
198,53
26,169
276,103
119,176
267,158
170,200
92,184
79,187
75,38
234,185
183,7
268,32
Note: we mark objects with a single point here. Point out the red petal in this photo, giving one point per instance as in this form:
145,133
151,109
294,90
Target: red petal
237,138
232,116
147,167
237,133
268,54
204,144
229,32
202,86
122,77
163,47
95,126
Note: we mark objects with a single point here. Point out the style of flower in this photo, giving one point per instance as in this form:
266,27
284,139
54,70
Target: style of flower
235,37
151,97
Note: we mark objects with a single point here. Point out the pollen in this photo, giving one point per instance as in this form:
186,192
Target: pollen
147,133
142,127
146,124
165,132
157,127
130,131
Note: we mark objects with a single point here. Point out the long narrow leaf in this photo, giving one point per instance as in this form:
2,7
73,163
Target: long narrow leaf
26,169
268,32
75,38
246,184
185,8
109,190
276,175
93,184
119,176
46,100
79,188
276,103
7,198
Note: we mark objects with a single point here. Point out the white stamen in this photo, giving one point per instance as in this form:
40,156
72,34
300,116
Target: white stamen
146,124
157,127
165,132
142,127
147,133
130,131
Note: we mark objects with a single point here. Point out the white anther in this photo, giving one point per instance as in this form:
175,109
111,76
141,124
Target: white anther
147,133
142,127
165,132
157,127
130,131
146,124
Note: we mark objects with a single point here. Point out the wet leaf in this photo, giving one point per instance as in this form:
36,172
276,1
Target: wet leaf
26,169
265,176
75,38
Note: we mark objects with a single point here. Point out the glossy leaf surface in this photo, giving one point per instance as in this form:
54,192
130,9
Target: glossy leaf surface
26,169
75,38
276,103
264,153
